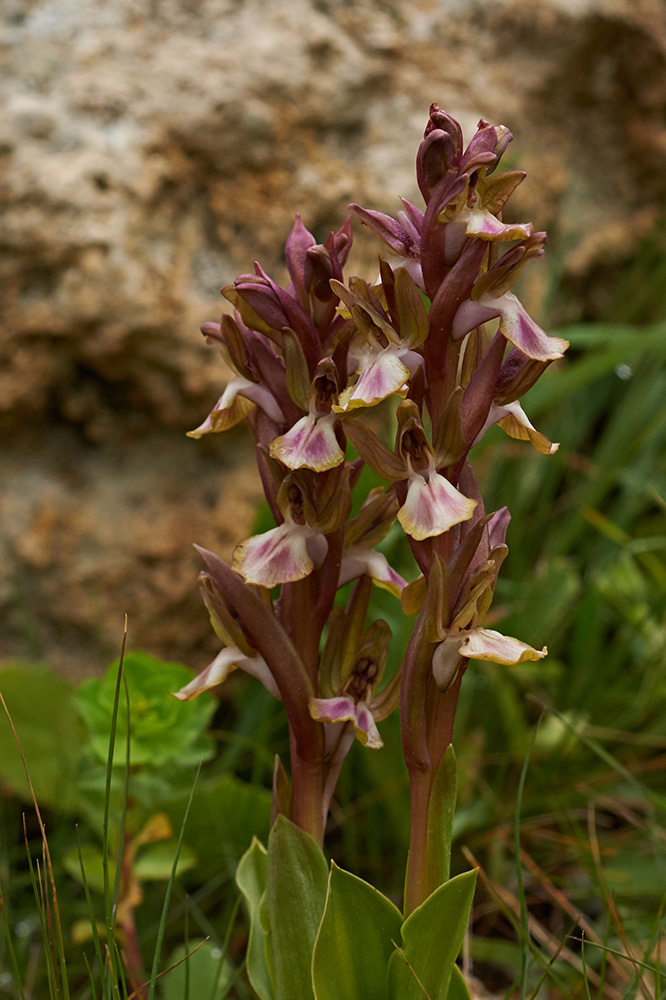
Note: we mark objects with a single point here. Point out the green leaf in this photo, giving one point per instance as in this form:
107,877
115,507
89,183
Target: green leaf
251,880
432,936
355,912
162,729
458,989
293,907
43,711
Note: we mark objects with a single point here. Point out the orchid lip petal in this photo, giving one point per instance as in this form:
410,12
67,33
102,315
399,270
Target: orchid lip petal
276,556
519,327
513,419
227,660
484,225
472,313
433,506
237,402
311,443
358,561
486,644
345,709
232,407
384,376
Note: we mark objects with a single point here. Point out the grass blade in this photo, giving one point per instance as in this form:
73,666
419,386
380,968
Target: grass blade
169,888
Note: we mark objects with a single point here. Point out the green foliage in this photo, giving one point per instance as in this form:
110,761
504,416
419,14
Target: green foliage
251,879
205,975
341,937
44,713
432,937
162,729
355,940
293,905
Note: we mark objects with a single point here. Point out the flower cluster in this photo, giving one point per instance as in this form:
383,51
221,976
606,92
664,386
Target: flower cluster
441,330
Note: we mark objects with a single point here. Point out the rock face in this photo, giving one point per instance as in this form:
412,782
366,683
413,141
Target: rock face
150,151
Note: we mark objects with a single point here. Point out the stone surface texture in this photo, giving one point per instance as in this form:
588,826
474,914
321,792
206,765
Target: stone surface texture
150,151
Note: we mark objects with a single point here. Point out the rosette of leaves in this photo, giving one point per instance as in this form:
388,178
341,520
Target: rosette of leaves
162,730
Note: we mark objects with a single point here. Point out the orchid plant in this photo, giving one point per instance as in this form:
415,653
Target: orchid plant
441,331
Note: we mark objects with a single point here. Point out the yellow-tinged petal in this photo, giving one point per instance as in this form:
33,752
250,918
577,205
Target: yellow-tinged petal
432,506
359,561
519,327
486,644
385,375
229,410
277,556
485,226
311,443
517,425
227,660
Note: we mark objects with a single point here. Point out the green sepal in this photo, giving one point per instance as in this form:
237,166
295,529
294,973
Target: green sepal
251,880
432,936
236,347
448,436
355,940
293,907
334,500
414,595
440,814
374,520
297,372
437,601
373,451
412,313
249,315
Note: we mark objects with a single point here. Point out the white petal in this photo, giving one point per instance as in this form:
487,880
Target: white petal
519,327
486,226
486,644
433,506
311,443
383,376
225,662
359,561
277,556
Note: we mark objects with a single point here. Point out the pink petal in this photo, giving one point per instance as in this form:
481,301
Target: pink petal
225,662
277,556
486,644
471,314
237,402
512,418
311,443
518,327
229,410
485,226
433,506
359,562
515,422
382,377
344,709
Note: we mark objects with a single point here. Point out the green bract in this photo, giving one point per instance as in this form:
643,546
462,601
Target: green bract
162,730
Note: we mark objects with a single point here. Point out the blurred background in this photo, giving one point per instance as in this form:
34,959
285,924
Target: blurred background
151,151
